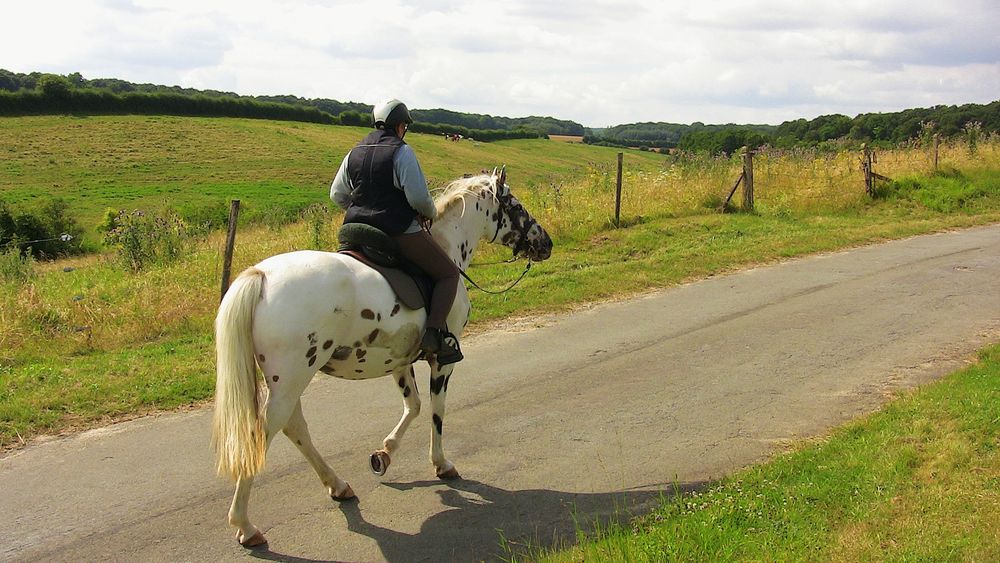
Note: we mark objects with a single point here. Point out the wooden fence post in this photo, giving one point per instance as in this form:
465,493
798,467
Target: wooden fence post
866,167
227,263
936,142
618,193
747,179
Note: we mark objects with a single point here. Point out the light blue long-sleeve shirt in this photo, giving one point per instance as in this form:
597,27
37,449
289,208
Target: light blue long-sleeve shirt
406,176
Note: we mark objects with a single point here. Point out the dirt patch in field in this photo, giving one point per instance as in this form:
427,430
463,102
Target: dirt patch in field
567,138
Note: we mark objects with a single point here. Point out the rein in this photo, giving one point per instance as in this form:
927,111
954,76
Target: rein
510,260
505,290
513,258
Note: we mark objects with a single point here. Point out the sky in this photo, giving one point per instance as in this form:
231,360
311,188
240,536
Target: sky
596,62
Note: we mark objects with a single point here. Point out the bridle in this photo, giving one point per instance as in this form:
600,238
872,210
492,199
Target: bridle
496,233
513,258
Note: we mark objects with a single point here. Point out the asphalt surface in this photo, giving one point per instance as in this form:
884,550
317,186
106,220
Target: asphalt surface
554,423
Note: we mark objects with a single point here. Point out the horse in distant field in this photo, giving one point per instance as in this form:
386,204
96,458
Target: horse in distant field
297,313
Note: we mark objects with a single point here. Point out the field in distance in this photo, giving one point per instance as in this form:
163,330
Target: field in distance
567,138
196,165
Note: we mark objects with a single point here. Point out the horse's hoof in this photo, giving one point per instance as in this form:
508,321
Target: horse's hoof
379,462
448,475
254,540
348,494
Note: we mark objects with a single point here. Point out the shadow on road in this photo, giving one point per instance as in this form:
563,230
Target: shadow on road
486,522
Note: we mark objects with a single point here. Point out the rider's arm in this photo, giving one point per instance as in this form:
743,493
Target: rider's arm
410,178
340,189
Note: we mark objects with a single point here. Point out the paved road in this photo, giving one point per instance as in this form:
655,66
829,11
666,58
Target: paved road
582,416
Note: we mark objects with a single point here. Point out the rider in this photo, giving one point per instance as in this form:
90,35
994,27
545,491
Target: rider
381,184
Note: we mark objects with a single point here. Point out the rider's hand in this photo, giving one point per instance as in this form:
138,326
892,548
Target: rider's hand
426,223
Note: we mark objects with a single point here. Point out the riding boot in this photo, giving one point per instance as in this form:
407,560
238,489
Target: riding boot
442,344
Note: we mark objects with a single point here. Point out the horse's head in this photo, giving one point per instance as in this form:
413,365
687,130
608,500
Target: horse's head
512,225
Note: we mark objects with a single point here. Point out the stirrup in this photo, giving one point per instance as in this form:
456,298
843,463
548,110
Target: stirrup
449,352
442,344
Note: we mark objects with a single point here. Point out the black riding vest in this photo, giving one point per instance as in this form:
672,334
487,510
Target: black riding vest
376,200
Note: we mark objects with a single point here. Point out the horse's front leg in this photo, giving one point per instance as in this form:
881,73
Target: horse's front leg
439,389
411,408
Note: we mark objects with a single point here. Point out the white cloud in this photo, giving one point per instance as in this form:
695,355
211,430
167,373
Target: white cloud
600,62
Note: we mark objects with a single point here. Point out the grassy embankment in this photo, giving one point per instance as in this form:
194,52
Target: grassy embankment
93,343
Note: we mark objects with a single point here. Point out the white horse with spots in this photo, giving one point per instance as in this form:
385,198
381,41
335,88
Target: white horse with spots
298,313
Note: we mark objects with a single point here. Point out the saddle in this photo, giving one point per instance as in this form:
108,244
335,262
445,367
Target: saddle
372,247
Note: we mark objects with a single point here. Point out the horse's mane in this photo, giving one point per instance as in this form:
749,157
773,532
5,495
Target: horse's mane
456,191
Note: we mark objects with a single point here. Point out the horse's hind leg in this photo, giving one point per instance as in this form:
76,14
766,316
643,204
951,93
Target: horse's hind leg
298,432
411,408
246,533
281,402
439,389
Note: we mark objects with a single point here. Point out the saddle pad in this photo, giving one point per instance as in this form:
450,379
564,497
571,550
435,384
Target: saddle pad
403,284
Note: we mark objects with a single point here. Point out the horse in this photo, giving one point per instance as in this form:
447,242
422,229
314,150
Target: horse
295,314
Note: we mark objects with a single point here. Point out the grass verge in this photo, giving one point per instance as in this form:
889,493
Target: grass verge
917,481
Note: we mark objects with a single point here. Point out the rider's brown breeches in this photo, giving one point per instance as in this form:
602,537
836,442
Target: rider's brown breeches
421,249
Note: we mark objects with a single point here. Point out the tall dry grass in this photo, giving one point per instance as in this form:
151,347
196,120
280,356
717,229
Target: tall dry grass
786,182
93,304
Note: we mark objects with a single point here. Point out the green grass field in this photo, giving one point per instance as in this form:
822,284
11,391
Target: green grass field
84,341
196,165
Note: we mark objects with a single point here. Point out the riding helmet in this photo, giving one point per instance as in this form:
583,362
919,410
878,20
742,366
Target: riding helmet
391,113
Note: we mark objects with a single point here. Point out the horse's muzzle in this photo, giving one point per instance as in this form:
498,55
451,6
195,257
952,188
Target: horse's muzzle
540,247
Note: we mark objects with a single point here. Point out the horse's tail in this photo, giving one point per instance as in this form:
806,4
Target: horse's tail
238,434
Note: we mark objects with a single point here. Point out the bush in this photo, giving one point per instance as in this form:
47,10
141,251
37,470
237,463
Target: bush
50,234
141,239
319,217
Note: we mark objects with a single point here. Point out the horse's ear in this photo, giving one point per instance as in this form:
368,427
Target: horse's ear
502,181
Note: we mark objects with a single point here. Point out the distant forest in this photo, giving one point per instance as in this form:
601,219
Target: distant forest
876,128
39,93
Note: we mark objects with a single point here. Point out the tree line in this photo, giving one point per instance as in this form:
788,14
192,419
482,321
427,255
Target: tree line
877,128
546,125
696,136
55,95
38,93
